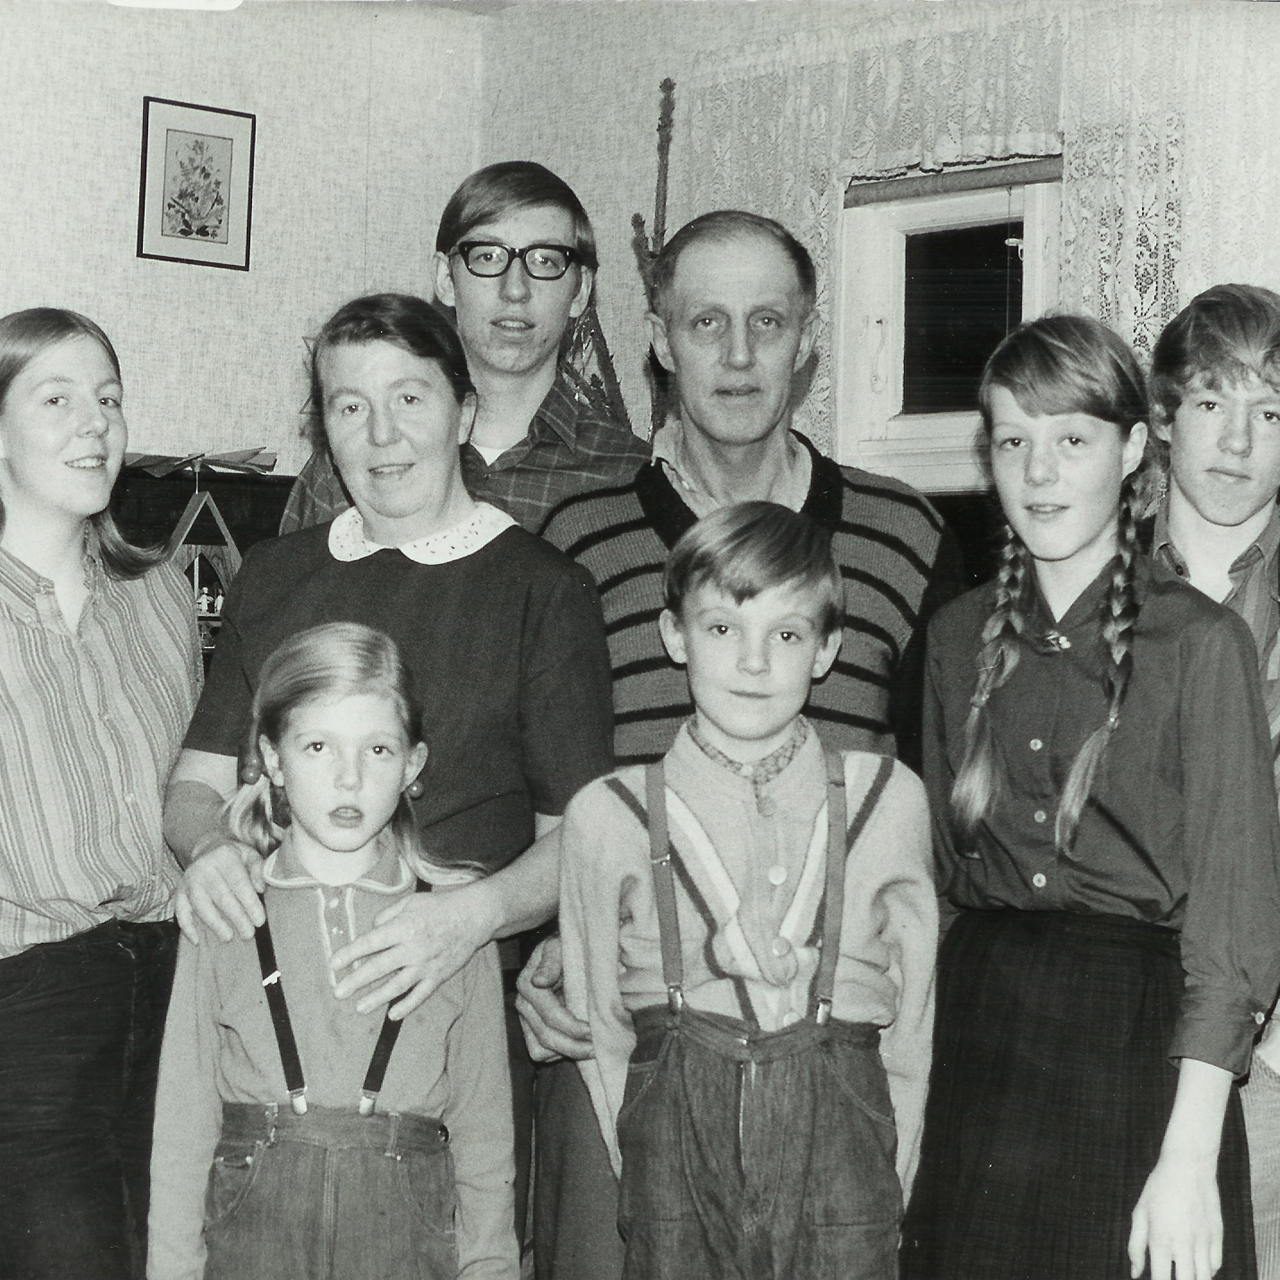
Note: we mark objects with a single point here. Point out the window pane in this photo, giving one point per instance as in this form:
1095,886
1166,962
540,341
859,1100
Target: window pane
963,294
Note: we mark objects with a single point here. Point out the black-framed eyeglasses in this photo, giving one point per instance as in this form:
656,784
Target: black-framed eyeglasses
542,261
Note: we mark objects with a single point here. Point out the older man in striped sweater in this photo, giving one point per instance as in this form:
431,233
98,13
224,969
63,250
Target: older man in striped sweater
733,321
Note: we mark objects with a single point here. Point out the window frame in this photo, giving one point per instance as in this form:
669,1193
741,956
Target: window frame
934,452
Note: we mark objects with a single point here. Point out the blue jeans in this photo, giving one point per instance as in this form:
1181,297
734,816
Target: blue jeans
80,1029
757,1156
330,1195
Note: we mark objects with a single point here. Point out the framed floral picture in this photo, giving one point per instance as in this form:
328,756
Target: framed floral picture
196,199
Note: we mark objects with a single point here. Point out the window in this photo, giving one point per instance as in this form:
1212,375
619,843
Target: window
927,287
962,292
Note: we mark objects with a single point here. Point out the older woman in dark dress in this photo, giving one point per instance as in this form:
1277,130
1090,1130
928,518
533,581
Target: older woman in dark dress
503,636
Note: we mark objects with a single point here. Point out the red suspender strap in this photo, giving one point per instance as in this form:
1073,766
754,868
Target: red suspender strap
664,885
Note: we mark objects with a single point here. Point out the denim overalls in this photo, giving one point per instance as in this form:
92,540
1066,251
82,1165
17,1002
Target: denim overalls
321,1193
754,1154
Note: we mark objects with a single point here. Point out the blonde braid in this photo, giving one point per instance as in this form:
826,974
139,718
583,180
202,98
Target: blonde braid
975,784
1120,614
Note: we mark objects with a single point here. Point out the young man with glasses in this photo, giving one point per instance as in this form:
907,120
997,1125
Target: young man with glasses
516,260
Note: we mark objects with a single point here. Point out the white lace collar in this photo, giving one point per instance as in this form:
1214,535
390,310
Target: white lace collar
347,541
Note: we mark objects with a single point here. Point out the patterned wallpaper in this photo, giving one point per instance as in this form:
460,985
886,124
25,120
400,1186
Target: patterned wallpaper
368,115
365,123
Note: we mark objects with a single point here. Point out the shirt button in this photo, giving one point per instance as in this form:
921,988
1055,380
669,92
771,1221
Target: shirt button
777,875
1038,880
1259,1018
767,806
131,798
1039,815
781,946
333,902
1036,744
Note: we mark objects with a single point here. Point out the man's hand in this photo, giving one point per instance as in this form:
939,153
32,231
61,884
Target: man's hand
417,944
223,888
550,1030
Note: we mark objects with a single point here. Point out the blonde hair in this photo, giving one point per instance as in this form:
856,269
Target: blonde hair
1058,364
335,660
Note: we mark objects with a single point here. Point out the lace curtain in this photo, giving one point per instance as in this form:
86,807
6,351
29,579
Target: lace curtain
1163,110
1231,175
1170,180
1171,144
781,128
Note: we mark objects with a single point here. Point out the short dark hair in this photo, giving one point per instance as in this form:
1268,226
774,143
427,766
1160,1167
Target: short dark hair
722,225
749,547
409,323
1229,332
501,188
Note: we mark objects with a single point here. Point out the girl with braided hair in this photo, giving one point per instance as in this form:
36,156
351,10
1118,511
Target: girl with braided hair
1098,764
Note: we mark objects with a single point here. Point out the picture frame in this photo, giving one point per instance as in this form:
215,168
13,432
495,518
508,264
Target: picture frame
195,202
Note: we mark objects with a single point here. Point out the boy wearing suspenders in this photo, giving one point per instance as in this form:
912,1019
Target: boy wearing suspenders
749,928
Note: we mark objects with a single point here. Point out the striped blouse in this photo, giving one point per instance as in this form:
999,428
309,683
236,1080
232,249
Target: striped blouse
90,725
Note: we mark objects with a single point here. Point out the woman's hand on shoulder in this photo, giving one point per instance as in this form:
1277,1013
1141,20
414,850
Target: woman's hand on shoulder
417,944
1178,1221
222,888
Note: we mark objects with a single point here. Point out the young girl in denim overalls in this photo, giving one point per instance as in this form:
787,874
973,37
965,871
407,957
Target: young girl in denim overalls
295,1137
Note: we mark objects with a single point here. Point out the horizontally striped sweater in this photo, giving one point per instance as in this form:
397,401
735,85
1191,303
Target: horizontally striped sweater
898,561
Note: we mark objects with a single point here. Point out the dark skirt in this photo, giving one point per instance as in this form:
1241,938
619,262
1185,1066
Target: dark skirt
1050,1093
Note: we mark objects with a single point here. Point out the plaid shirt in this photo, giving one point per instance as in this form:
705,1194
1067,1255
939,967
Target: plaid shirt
573,444
1255,597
